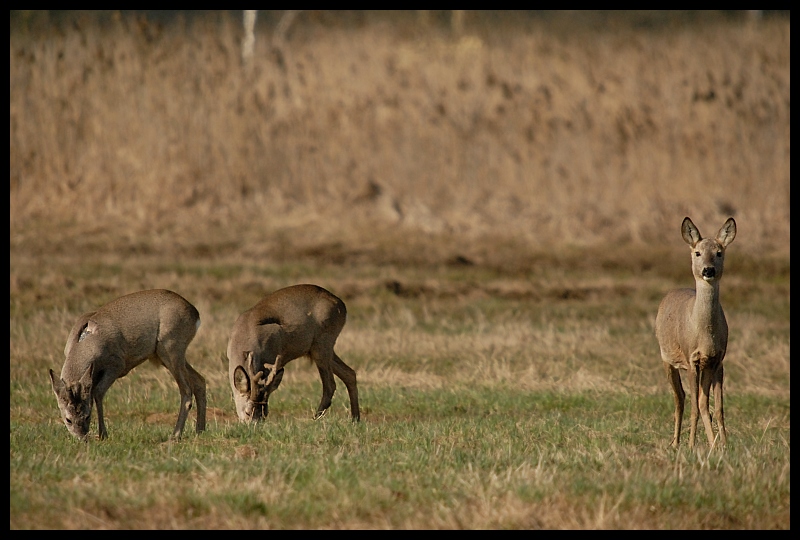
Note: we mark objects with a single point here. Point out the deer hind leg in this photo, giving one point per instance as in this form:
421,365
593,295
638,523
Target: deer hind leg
348,376
323,361
679,396
718,410
174,359
198,384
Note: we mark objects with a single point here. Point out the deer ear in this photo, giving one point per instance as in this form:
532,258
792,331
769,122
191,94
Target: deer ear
727,233
57,384
86,378
241,381
85,384
690,233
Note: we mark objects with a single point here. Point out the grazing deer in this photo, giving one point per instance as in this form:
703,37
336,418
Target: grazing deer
693,334
106,344
301,320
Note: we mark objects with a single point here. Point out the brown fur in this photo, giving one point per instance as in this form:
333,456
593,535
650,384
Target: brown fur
692,332
302,320
106,344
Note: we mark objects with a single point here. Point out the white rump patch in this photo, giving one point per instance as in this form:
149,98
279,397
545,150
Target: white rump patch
84,333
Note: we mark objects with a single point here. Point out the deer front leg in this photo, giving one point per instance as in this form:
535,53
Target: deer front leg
98,393
702,402
101,424
704,390
679,396
718,407
692,380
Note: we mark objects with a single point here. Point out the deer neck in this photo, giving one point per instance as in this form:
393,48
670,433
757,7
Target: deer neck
705,313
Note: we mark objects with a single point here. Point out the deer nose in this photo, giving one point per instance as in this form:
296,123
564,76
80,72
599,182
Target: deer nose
259,412
709,272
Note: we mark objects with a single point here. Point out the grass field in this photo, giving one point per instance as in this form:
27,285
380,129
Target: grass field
482,406
500,211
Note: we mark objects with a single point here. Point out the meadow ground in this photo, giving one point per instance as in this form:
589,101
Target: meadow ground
499,209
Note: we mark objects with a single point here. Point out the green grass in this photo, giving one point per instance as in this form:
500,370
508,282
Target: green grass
488,412
493,413
420,459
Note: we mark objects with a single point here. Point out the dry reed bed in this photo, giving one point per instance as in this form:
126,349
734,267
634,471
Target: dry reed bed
540,132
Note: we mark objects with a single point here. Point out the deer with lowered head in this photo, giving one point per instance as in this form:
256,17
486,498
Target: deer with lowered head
692,333
297,321
106,344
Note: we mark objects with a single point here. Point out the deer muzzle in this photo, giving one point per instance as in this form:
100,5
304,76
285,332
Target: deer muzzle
709,273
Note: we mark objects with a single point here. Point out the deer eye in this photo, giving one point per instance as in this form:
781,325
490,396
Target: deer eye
719,254
696,253
68,421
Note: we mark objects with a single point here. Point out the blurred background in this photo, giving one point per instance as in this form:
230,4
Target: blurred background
369,135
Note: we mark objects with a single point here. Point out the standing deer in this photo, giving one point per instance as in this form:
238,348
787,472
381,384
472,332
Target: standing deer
301,320
693,334
106,344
